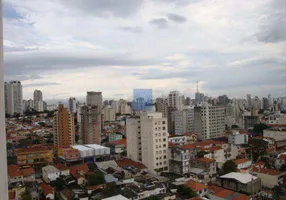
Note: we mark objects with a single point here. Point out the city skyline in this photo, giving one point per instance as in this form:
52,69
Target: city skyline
227,45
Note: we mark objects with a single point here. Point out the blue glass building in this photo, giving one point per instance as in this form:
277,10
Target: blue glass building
142,99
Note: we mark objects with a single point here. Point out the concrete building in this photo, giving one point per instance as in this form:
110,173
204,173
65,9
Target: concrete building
147,141
237,138
242,163
162,106
278,134
250,121
269,177
94,99
50,173
108,113
175,100
14,97
38,95
3,155
90,124
277,119
265,103
248,100
209,121
179,160
6,96
183,121
39,106
115,106
72,105
63,127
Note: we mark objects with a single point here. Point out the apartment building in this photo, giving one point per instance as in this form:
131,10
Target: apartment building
34,155
72,105
14,97
183,121
94,99
162,106
179,159
108,113
63,127
175,100
90,124
209,121
147,141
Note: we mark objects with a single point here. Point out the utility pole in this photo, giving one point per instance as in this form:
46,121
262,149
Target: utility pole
3,151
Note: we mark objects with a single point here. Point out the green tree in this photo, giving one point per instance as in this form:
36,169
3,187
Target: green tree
228,167
26,196
234,126
201,154
186,191
96,178
60,183
258,128
283,168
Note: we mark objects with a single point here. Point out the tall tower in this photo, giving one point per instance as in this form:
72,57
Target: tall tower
94,99
14,97
72,104
3,155
38,95
63,127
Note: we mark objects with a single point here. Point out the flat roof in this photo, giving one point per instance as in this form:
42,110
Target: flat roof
81,147
241,177
50,169
95,146
117,197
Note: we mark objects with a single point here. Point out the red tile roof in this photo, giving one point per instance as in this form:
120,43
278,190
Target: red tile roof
79,168
95,187
28,171
14,171
272,172
195,186
119,142
224,193
212,149
61,167
189,146
31,149
205,160
47,189
242,160
124,162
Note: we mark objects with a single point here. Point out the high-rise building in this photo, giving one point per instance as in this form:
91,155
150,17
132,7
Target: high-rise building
147,141
175,100
248,100
209,121
183,121
265,104
188,101
94,99
162,106
63,127
115,106
90,124
38,95
39,106
14,97
3,154
72,104
6,96
223,100
270,100
108,113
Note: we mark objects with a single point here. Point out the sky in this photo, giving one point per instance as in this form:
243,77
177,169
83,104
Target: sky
68,47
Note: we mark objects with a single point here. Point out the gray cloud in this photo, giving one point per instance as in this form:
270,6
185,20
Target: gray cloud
23,77
39,62
272,28
40,84
159,23
179,2
134,29
105,8
177,18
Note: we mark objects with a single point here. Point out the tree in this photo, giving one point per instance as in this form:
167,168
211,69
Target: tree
60,183
283,168
186,191
234,126
96,178
228,167
258,128
26,196
201,154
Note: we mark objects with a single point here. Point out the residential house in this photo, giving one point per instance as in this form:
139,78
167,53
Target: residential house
240,182
34,189
78,172
28,174
50,173
280,160
219,193
242,163
66,194
118,146
48,191
190,138
64,170
199,188
69,154
14,175
269,177
216,152
204,168
177,139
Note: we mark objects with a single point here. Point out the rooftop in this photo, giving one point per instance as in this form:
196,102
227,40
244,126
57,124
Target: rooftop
205,160
195,186
79,168
50,169
117,197
242,160
241,177
47,189
124,162
272,172
227,194
119,142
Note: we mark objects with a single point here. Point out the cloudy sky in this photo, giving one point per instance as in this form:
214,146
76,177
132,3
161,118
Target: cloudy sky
68,47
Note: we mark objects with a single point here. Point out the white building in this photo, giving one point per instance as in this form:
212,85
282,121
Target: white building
38,95
39,106
147,141
237,138
209,121
115,106
248,100
242,163
14,97
125,108
175,100
277,119
183,121
50,173
91,150
94,99
277,134
108,113
72,105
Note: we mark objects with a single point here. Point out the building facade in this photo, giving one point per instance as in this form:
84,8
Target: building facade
175,100
63,127
14,97
94,99
108,113
72,105
183,121
147,141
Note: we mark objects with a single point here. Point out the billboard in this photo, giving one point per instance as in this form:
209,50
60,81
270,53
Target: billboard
142,100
